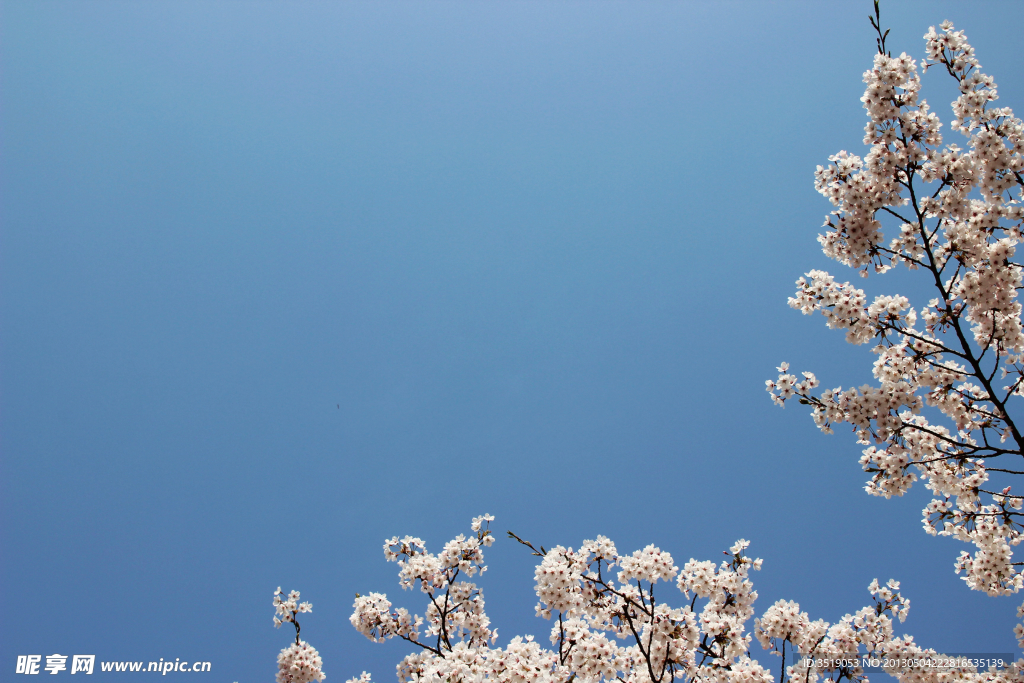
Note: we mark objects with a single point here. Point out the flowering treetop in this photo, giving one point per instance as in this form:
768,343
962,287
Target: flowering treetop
947,373
613,617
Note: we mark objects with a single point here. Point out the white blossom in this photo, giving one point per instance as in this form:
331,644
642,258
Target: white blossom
299,663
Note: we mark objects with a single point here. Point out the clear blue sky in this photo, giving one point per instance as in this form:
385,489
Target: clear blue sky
281,279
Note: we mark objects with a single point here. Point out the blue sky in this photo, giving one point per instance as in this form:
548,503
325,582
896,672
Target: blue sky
281,280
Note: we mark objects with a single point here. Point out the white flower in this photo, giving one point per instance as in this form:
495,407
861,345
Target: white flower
299,663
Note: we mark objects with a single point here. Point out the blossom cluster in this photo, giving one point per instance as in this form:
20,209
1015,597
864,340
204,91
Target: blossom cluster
870,630
285,609
299,662
937,411
607,624
456,608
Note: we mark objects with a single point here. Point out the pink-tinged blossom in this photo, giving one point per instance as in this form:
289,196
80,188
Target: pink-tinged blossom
299,663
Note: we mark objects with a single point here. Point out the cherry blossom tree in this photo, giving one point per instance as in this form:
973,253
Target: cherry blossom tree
949,374
946,374
608,624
